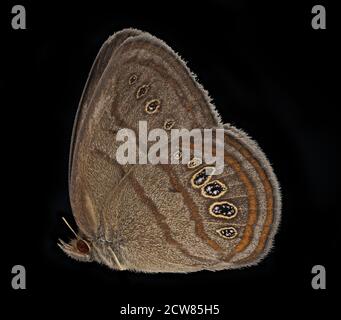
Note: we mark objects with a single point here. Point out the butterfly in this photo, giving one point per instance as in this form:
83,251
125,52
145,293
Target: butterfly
163,217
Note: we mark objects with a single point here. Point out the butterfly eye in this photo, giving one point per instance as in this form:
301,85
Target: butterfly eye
142,91
169,124
152,106
133,79
228,232
223,209
82,246
214,189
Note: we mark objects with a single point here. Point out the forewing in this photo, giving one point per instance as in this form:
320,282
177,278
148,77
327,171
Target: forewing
135,77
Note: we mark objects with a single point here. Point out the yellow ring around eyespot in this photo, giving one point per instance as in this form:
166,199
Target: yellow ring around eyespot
132,79
217,196
157,107
222,216
138,92
169,124
221,229
195,162
196,173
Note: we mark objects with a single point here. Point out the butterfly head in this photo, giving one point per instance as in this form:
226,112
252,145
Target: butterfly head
78,248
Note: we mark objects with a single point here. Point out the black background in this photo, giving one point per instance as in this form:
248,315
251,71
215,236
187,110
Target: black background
268,72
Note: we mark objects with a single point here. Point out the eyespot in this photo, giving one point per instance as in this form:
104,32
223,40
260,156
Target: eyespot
202,177
223,209
177,155
82,246
152,106
227,232
194,163
214,189
142,91
169,124
133,79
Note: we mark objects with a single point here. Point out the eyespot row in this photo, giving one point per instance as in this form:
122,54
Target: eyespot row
202,179
151,106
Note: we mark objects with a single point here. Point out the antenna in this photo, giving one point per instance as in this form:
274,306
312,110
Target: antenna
73,231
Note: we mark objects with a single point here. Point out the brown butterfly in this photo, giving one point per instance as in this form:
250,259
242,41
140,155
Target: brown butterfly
162,218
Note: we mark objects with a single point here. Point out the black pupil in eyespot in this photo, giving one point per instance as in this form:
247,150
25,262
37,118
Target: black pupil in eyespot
82,246
143,90
224,209
169,124
200,178
132,79
153,105
213,189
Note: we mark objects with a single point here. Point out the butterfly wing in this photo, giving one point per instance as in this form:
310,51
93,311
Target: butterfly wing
134,77
164,222
146,69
